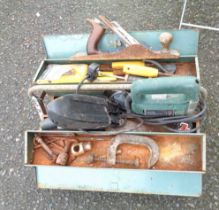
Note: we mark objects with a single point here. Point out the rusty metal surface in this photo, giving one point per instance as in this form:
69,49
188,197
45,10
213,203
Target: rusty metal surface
93,158
45,147
63,156
133,52
177,152
149,143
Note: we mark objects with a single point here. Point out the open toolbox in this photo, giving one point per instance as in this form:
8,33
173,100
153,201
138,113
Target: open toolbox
181,161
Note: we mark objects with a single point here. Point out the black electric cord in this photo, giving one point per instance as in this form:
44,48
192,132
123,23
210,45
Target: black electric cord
80,84
92,74
158,65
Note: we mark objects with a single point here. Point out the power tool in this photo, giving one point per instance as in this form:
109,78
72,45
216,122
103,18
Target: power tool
74,111
164,97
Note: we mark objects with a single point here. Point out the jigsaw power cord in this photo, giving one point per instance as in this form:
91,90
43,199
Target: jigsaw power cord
80,84
158,65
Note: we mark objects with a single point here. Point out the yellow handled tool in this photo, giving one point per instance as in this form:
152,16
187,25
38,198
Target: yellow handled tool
143,71
138,68
121,64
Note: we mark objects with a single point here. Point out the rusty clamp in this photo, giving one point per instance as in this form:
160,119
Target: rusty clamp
136,140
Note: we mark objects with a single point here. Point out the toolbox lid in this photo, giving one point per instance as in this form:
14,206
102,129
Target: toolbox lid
64,46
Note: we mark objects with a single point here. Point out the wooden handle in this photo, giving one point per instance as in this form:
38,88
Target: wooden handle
94,38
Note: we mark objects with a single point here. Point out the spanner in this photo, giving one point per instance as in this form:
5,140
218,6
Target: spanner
51,154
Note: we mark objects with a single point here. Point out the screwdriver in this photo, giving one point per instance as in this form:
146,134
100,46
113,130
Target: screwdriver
138,68
143,71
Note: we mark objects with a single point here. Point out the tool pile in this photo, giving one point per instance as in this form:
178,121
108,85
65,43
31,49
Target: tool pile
135,84
119,151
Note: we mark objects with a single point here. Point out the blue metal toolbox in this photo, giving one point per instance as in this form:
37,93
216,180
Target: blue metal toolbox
162,179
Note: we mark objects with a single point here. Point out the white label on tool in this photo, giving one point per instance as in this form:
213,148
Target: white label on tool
159,96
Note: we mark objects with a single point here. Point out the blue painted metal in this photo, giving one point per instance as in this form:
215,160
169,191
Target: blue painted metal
120,180
64,46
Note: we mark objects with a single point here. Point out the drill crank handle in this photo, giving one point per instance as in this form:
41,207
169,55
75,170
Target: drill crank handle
95,36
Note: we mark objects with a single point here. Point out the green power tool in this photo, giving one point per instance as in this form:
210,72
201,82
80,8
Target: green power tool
165,96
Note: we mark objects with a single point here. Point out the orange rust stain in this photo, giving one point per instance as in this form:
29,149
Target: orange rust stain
176,152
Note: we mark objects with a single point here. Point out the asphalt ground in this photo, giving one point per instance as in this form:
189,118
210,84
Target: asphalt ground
23,23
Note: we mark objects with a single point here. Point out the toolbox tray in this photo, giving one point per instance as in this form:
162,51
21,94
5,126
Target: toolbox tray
59,49
184,67
181,163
